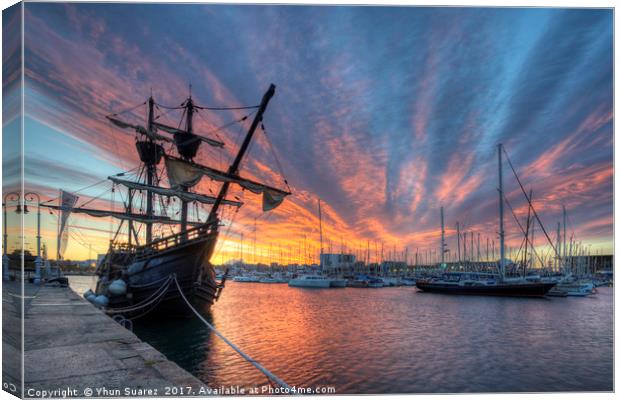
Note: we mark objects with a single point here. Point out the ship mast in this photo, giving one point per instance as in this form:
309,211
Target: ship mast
188,127
501,214
150,172
234,167
443,240
564,259
458,243
129,210
187,144
557,263
320,236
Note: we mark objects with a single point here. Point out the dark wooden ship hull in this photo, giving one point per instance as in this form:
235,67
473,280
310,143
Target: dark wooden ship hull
151,289
194,273
530,289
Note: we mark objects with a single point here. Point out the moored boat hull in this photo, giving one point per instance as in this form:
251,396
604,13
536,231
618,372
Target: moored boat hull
357,283
531,289
338,283
310,283
188,263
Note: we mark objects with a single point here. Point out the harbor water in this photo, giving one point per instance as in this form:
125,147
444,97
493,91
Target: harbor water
394,340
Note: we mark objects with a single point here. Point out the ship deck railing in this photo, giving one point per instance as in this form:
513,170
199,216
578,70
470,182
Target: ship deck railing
123,248
173,240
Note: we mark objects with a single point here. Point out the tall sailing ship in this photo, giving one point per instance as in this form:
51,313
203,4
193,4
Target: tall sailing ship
137,278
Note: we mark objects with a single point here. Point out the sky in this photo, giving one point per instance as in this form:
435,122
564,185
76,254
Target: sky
386,114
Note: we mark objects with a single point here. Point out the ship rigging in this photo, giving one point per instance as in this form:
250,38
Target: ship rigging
136,272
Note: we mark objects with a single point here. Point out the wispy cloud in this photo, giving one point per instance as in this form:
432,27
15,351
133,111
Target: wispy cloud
384,113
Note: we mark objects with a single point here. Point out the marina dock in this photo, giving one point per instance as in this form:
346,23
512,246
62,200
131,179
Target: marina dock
71,345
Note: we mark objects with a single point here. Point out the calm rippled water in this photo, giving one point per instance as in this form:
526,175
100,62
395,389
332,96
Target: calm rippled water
395,340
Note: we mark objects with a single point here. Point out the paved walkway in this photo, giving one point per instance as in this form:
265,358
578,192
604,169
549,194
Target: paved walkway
71,345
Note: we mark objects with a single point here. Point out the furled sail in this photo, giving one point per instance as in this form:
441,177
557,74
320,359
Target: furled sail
125,125
162,191
67,201
182,174
138,128
272,199
192,136
185,173
119,215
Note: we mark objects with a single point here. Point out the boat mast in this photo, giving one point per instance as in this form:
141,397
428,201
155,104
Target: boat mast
527,233
320,237
478,249
443,240
234,167
564,261
570,255
532,249
465,248
501,213
150,173
458,242
557,246
487,254
471,249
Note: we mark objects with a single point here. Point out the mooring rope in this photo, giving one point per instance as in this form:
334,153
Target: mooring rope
150,284
249,359
157,295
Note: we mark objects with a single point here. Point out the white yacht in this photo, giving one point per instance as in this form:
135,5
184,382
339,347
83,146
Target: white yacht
408,281
391,281
245,278
337,282
375,282
310,281
275,278
576,288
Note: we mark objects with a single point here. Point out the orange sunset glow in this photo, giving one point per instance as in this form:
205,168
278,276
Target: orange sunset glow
382,146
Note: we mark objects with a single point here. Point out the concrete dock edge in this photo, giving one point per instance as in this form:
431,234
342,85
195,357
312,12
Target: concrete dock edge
71,345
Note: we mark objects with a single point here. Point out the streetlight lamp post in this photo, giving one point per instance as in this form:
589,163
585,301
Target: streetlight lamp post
5,258
38,262
28,197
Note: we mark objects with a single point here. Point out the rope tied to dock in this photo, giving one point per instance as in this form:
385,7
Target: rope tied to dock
249,359
150,302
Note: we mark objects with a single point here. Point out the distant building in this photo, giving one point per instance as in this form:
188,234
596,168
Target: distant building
337,263
388,267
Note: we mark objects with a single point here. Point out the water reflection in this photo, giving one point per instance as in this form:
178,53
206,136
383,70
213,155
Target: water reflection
397,340
187,338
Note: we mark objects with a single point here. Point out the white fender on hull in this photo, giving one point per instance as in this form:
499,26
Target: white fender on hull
117,288
101,300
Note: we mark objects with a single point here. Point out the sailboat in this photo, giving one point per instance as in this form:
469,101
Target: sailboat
568,284
476,283
135,278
